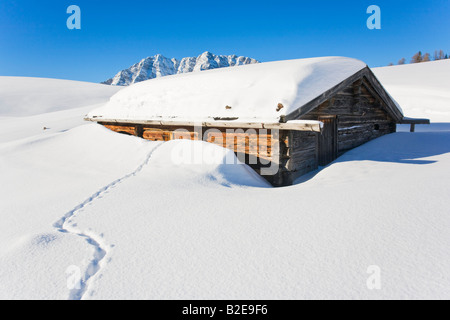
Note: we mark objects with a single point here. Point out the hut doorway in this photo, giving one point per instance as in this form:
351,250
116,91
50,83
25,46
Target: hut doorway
328,140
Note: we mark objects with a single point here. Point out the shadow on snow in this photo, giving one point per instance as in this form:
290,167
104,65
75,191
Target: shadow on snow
400,147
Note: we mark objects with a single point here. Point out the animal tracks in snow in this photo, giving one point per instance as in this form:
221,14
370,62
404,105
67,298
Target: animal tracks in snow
101,254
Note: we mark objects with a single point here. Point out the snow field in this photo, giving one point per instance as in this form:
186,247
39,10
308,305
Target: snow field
137,219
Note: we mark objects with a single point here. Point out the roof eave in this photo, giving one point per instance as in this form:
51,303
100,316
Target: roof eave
313,126
396,114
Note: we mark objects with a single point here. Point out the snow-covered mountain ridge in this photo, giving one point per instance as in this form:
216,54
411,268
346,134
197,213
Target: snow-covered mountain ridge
160,66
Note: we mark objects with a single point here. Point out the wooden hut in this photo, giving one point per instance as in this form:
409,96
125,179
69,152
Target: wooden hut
293,116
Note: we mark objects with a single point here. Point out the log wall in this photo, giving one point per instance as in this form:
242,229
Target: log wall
302,152
361,116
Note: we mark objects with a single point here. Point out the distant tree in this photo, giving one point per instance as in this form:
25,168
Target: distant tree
390,64
417,58
439,55
446,56
436,55
426,57
402,61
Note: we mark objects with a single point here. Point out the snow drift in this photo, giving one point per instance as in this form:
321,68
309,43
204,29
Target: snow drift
202,162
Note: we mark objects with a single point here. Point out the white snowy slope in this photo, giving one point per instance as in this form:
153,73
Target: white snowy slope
140,219
160,66
422,89
43,179
35,166
48,181
20,96
253,91
174,232
40,106
152,225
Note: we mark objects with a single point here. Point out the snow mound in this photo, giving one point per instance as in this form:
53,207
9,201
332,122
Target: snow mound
422,89
252,91
204,163
23,96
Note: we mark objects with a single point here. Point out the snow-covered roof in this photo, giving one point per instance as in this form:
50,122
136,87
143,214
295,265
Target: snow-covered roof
248,93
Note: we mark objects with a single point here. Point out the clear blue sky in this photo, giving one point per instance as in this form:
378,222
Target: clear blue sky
34,39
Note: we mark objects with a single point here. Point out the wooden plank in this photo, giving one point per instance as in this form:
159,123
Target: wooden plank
303,154
157,135
180,135
414,121
216,124
131,130
293,126
139,131
349,120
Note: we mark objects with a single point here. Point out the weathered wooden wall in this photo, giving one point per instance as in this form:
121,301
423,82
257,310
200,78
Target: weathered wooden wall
302,152
361,116
125,128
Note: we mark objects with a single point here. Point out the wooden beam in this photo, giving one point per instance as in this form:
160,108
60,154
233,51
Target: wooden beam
296,126
139,131
415,121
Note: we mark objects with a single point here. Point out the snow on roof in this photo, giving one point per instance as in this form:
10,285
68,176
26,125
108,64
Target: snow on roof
248,93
